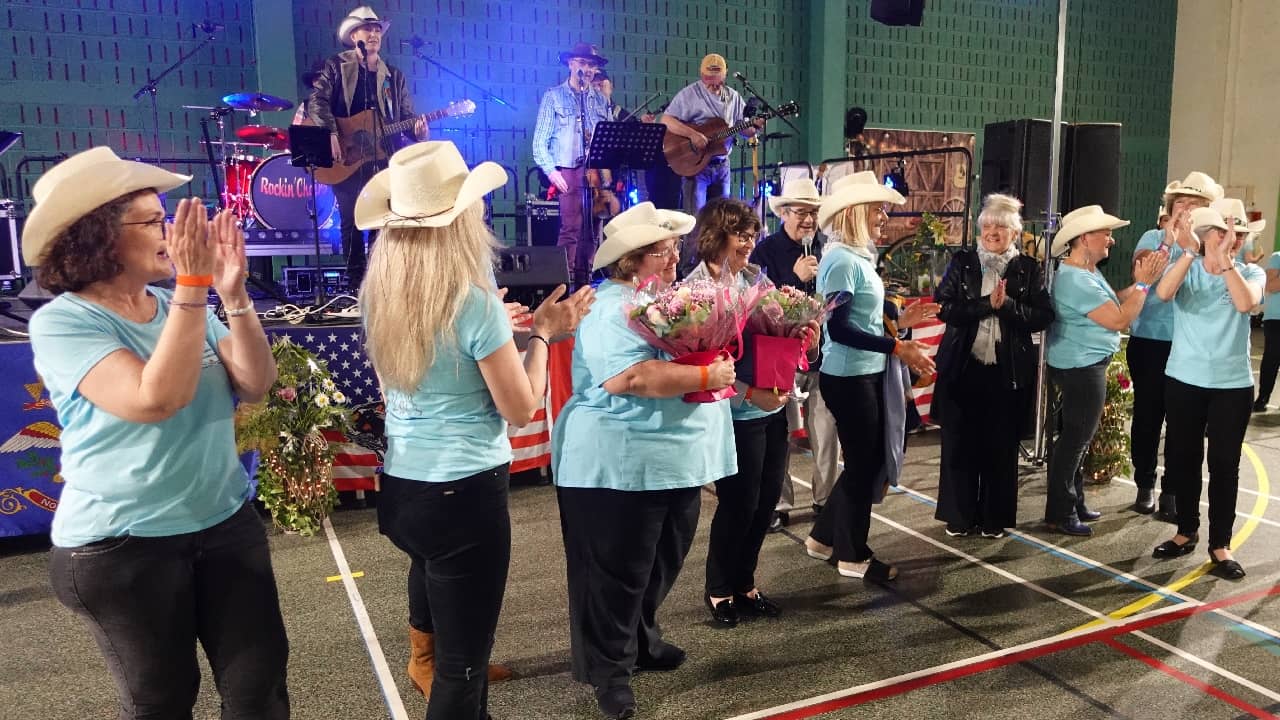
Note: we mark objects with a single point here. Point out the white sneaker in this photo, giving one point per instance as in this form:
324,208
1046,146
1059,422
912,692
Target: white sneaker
817,550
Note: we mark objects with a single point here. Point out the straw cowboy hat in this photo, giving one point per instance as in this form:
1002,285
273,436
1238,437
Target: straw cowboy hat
587,51
1234,208
1207,217
801,191
1197,184
856,189
81,184
1087,219
637,227
363,15
425,185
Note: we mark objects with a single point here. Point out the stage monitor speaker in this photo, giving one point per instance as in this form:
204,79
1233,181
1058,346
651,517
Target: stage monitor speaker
1091,167
897,12
542,222
1015,161
530,273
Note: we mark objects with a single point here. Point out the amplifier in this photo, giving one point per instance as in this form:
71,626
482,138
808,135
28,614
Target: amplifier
529,273
302,280
259,242
541,221
10,256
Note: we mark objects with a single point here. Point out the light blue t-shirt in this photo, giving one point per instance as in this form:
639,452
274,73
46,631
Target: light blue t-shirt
1271,311
1210,337
1075,340
450,428
626,442
843,268
171,477
1155,322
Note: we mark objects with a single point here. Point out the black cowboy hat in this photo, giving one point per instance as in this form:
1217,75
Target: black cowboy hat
584,50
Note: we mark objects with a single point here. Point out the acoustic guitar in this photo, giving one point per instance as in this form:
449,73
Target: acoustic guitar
356,134
688,161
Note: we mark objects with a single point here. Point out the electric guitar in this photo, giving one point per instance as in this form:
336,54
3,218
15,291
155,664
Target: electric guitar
356,133
688,161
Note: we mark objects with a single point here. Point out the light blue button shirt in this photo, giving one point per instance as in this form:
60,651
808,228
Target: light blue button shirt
1271,311
626,442
449,427
1210,337
1155,322
557,137
695,104
176,476
1075,340
843,268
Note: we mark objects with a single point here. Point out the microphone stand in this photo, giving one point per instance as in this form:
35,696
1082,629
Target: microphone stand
486,97
151,89
587,232
762,139
765,103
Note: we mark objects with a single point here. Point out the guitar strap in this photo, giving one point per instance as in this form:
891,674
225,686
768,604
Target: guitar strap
388,101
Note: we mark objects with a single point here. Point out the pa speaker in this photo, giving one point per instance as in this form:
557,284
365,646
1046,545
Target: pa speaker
1015,161
1091,167
897,12
531,272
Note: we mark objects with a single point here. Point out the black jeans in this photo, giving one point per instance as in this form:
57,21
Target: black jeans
623,552
1083,395
744,504
353,250
857,404
978,480
1224,416
460,534
147,600
1270,359
1147,359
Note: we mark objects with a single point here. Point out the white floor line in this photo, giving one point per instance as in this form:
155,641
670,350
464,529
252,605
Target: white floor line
1222,672
1205,481
1239,513
390,693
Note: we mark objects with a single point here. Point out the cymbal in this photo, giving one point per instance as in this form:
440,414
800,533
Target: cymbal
256,102
272,137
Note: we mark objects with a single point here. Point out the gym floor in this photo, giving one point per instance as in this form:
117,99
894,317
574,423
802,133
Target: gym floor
1033,625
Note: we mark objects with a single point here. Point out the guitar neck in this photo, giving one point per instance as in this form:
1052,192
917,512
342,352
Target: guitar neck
735,129
407,125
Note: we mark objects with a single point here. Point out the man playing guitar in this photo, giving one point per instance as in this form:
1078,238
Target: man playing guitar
706,99
351,82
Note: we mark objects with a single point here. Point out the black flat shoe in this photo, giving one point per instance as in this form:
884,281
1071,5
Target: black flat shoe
1167,509
1171,549
1145,504
723,613
1085,514
758,605
617,702
1226,569
668,657
780,520
1072,526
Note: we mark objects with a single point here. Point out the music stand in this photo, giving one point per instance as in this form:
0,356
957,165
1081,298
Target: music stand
310,148
626,144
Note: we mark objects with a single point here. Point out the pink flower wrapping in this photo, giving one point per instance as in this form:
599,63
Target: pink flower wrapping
779,317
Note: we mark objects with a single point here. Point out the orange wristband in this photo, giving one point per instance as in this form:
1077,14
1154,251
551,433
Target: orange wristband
750,389
897,345
194,280
706,376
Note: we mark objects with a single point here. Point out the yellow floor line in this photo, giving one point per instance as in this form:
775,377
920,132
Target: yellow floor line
1259,507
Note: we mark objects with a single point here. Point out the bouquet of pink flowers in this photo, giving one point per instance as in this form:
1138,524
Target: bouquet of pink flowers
776,331
694,322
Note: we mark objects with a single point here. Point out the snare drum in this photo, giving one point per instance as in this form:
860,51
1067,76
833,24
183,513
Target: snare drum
281,196
237,175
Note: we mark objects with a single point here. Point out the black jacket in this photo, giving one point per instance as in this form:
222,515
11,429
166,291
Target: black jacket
334,88
1027,310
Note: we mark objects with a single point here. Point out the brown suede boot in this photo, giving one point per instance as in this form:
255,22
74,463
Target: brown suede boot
422,663
499,673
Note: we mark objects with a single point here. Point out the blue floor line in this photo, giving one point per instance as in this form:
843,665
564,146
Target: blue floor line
1271,644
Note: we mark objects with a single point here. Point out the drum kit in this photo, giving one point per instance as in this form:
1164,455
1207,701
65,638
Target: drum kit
258,183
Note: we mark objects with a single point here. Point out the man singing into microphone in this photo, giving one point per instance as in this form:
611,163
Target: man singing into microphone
559,149
349,83
697,102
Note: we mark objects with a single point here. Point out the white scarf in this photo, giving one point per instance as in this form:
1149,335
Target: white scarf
993,268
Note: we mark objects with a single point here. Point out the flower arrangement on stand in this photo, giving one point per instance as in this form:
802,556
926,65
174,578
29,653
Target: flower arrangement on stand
295,470
1108,454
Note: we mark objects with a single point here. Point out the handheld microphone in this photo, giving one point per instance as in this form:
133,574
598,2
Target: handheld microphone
208,26
739,77
807,243
360,46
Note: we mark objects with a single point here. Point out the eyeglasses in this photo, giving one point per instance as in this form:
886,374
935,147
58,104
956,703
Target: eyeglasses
745,237
663,253
804,214
163,223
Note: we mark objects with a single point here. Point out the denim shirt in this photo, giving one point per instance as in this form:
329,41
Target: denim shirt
557,138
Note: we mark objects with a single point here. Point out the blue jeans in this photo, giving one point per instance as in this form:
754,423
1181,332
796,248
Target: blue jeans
147,600
1084,393
711,183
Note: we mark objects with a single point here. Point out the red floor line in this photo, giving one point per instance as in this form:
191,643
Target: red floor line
1103,633
1193,682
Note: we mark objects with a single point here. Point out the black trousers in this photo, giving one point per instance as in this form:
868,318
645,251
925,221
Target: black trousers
459,532
857,404
148,600
1147,359
353,249
978,482
744,504
624,551
1270,360
1224,416
1084,396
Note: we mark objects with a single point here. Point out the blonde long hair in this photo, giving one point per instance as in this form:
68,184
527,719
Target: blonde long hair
850,224
414,287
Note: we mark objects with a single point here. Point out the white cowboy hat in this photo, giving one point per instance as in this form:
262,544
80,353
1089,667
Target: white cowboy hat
1197,184
1234,208
425,185
363,15
856,189
1087,219
636,227
801,191
1207,217
81,184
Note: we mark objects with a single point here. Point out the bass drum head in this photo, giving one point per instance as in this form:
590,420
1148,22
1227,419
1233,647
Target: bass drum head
281,196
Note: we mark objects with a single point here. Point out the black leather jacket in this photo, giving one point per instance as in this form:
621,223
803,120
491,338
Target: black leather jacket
1028,310
333,90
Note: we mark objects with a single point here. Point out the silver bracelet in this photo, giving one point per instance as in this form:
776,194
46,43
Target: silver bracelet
237,312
